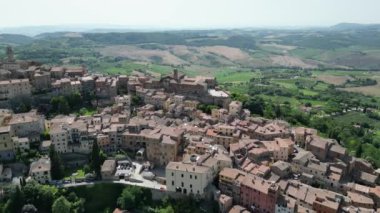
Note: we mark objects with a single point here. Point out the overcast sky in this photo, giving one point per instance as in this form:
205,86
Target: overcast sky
188,13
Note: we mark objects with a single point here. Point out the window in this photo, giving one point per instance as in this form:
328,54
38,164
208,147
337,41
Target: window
191,176
172,183
172,173
181,175
195,177
191,185
182,184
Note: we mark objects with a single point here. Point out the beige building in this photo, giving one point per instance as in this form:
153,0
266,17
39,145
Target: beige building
6,145
280,148
164,152
40,170
21,144
57,72
162,143
71,137
13,88
108,169
59,138
224,135
41,81
28,124
235,108
269,132
66,87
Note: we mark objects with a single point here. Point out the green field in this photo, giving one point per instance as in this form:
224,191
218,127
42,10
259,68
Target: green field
234,76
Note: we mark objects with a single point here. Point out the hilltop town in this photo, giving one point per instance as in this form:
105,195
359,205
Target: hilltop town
176,134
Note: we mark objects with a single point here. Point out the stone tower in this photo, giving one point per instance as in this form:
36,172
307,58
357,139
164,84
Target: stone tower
10,54
175,74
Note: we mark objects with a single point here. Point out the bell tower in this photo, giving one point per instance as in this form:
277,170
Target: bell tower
10,54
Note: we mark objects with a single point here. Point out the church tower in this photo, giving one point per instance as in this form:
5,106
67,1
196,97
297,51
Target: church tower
10,54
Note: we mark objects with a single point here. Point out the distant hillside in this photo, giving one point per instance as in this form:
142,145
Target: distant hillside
354,26
13,39
344,46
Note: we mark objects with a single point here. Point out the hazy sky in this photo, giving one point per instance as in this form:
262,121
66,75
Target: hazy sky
188,13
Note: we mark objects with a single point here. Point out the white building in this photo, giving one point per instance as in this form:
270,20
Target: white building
59,138
187,178
40,170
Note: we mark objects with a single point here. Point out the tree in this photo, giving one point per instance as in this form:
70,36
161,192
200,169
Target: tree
126,200
359,151
255,105
277,111
74,100
207,108
21,104
56,164
60,105
61,205
136,100
95,160
77,204
167,209
41,196
102,157
133,197
29,208
15,202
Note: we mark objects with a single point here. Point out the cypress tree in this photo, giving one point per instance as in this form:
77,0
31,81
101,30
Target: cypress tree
56,164
95,159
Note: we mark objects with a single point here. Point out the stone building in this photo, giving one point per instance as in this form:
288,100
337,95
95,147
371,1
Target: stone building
13,88
6,144
40,170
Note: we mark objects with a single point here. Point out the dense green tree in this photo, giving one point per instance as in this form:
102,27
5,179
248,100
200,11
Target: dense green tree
57,172
21,104
60,105
133,197
102,157
95,160
277,111
41,196
127,200
74,101
61,205
359,151
207,108
256,105
239,97
15,202
167,209
136,100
